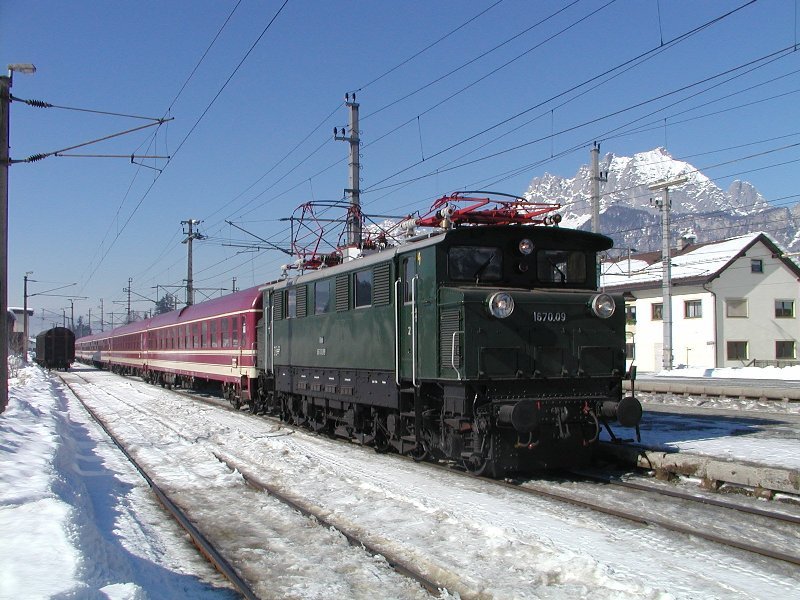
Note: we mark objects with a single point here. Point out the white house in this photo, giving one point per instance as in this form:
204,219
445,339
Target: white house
733,302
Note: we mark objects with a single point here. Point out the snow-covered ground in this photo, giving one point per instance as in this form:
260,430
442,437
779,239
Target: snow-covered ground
77,522
775,373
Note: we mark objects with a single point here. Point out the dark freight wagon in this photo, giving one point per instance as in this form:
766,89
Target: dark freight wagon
55,348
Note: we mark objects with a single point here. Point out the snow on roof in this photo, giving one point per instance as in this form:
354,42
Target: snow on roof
703,261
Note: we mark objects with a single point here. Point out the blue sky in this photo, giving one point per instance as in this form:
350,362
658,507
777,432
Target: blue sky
488,106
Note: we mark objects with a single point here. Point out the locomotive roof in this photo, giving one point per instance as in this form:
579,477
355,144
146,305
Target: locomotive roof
238,301
554,236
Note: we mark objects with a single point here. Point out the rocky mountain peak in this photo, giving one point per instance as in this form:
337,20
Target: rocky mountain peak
626,213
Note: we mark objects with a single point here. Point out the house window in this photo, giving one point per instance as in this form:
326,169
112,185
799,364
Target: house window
737,350
785,349
693,309
322,297
736,308
784,309
657,311
363,288
630,314
756,265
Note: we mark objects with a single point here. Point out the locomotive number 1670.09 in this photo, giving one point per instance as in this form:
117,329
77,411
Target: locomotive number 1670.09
549,317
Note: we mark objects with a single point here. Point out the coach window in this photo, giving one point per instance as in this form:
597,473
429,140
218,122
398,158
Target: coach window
322,297
195,335
214,340
235,331
362,281
226,336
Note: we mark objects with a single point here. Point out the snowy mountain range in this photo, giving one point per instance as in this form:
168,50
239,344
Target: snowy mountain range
699,206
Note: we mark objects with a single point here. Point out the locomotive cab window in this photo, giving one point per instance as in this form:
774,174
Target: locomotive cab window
362,282
561,266
475,263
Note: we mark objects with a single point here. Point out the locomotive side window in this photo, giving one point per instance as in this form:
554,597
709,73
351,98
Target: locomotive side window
409,271
475,263
322,297
291,303
561,266
362,281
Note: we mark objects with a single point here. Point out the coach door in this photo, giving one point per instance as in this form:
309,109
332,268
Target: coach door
406,288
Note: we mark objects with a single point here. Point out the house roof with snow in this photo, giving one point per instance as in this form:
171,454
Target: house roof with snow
691,265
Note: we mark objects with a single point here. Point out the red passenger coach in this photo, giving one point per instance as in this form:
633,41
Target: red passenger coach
213,341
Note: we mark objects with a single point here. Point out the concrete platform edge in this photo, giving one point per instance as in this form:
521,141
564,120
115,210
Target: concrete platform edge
713,470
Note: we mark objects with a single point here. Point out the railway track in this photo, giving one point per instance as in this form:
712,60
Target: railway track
781,531
433,584
770,519
206,548
653,519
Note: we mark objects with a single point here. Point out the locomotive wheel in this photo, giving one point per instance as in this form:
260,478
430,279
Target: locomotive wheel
420,453
482,465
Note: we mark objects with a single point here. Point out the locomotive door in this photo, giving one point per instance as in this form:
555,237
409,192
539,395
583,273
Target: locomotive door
406,289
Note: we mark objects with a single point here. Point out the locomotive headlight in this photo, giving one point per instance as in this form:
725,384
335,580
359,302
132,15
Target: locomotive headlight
603,306
501,305
525,247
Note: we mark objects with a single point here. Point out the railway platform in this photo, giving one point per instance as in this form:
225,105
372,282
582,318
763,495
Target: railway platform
745,442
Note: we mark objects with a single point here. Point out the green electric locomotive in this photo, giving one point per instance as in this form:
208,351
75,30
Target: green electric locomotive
484,343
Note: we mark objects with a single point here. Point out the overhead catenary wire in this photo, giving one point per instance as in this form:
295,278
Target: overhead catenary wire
188,134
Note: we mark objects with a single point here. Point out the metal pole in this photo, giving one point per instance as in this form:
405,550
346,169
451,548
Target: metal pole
354,216
666,283
5,100
25,317
595,156
666,271
190,237
5,103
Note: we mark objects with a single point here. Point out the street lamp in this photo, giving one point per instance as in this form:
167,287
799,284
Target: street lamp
5,102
